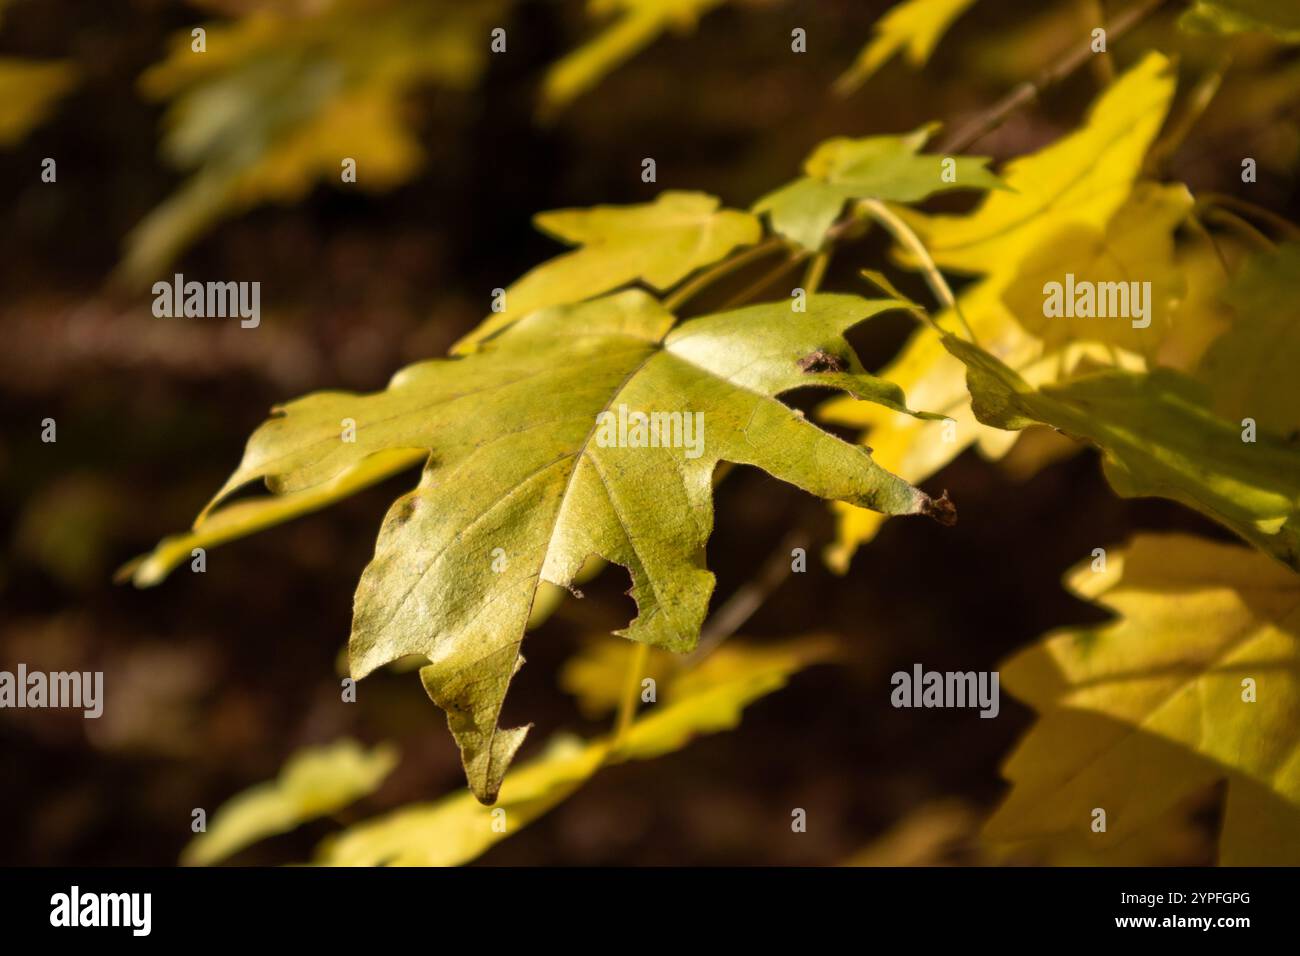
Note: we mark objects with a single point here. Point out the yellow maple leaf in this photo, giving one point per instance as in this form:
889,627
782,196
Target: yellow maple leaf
457,828
915,27
1079,183
1196,681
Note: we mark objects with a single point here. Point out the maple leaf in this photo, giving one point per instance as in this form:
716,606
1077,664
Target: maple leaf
874,167
915,27
281,97
1082,179
1158,437
659,243
1196,681
519,490
1078,185
1251,369
1137,247
456,829
919,448
636,24
315,782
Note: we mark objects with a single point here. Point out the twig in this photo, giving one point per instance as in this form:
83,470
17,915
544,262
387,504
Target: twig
1207,87
1030,90
747,599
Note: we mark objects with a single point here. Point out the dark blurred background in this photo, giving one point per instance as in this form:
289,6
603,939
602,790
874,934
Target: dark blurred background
216,678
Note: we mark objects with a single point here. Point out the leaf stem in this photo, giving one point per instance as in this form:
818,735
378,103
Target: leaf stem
902,232
1198,227
1240,226
816,271
1235,204
747,293
1198,101
697,284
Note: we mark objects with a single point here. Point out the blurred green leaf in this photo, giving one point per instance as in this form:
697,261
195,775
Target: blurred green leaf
1279,18
1253,369
280,98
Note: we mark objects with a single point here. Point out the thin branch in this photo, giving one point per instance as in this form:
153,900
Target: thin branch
747,599
1031,90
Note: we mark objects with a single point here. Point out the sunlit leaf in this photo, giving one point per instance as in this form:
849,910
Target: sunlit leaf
1080,180
1131,261
1196,681
1077,184
914,27
518,491
315,782
635,25
658,243
875,167
1158,437
456,829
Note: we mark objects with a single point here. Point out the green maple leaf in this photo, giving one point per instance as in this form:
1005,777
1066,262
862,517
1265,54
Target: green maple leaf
1158,437
522,486
875,167
1251,368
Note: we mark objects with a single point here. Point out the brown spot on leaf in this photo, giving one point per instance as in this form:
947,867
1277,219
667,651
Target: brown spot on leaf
822,361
